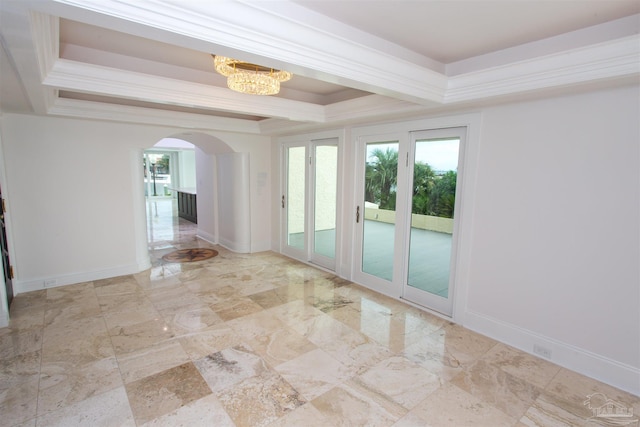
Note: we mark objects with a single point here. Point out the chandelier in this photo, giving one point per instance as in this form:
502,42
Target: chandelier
249,78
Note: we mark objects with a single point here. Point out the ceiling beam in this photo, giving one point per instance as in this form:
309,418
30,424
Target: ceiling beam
98,80
290,37
21,45
129,114
613,59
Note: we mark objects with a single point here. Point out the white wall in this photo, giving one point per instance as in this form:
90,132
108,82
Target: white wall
187,161
552,245
71,195
259,149
555,250
71,192
234,221
206,195
555,241
260,190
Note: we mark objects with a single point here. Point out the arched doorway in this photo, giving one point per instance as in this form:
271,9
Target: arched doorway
221,189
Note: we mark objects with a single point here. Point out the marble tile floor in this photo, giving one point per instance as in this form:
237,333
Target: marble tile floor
261,340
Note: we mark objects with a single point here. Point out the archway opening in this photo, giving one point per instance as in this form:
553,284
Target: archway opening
170,191
209,173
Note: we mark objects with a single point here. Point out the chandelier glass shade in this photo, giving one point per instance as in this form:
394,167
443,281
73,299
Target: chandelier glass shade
249,78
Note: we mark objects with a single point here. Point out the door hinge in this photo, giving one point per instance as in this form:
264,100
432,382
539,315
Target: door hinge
4,209
11,276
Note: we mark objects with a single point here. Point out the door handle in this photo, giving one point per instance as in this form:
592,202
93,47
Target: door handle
357,214
283,201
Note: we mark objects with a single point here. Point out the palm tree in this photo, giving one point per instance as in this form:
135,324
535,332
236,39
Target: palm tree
445,195
432,194
381,178
423,177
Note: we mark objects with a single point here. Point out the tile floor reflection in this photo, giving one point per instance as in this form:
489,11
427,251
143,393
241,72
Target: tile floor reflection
262,340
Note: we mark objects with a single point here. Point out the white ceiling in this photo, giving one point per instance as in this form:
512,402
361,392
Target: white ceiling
352,60
453,30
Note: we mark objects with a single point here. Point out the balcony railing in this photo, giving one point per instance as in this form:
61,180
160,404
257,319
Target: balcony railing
423,222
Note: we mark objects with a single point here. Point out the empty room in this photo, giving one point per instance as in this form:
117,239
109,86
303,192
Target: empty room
320,213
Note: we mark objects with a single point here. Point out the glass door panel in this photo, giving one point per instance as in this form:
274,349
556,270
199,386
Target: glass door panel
160,173
378,212
435,172
325,196
294,198
309,201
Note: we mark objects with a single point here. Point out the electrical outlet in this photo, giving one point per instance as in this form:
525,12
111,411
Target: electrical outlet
50,282
542,351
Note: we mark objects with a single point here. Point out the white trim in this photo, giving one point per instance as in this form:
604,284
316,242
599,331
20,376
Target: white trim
207,237
306,140
139,218
400,130
438,303
21,45
46,34
255,247
21,286
234,246
261,246
139,115
285,249
612,59
603,369
403,82
274,36
328,263
88,78
369,107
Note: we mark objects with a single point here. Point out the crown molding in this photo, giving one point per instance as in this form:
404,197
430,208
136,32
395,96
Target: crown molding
95,79
359,110
276,38
119,113
46,34
45,30
20,45
368,107
281,37
608,60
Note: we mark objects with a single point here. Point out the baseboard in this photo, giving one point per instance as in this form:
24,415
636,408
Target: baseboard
261,246
145,264
206,237
616,374
234,246
22,286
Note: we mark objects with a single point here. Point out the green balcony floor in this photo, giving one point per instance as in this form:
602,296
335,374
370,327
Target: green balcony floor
429,257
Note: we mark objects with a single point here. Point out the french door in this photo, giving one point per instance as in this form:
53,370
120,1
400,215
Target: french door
405,216
379,242
431,230
309,201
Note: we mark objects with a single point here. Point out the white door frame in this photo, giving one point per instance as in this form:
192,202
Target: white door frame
415,295
310,141
465,202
